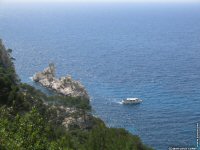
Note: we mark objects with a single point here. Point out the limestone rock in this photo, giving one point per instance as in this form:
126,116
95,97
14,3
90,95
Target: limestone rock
65,85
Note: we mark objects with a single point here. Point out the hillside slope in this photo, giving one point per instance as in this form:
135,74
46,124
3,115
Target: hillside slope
29,119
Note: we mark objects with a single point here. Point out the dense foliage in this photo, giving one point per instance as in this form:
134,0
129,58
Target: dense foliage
27,123
8,77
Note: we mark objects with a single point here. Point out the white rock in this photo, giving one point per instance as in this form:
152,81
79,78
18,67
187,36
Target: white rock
65,85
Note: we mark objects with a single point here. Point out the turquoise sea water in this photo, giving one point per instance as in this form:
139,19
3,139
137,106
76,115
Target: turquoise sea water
150,51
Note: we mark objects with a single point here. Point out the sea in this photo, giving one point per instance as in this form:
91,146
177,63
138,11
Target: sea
117,50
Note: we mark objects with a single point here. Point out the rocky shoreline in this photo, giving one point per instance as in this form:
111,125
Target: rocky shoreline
65,85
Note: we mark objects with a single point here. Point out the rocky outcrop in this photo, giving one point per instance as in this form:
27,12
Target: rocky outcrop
64,85
70,117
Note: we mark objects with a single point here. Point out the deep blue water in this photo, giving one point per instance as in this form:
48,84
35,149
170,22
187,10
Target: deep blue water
150,51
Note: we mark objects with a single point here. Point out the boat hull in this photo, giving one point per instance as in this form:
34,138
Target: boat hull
131,102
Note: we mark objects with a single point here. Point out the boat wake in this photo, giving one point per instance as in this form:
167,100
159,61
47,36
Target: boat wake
119,103
31,78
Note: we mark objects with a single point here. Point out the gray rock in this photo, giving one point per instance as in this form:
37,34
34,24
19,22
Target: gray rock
65,85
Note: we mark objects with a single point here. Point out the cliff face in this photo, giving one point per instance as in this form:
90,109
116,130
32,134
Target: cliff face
65,85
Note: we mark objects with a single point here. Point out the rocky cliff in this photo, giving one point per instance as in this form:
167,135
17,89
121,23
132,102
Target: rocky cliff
64,85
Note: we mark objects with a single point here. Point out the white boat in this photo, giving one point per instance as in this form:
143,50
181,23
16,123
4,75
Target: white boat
131,101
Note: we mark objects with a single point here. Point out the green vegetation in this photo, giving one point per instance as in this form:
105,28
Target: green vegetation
70,102
28,122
